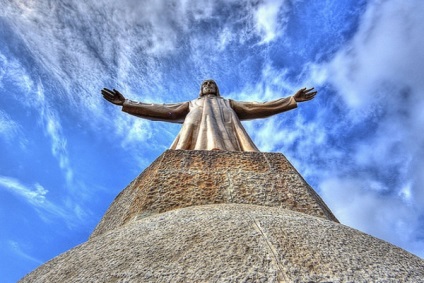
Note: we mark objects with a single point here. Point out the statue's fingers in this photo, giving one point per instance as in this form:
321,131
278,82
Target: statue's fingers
311,95
108,96
308,90
106,91
121,97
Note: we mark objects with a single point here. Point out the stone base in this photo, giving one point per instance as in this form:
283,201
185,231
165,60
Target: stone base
182,178
232,243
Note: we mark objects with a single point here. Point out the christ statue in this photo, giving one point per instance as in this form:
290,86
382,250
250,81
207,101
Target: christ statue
210,122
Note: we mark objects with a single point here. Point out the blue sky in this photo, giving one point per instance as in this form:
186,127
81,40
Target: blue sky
66,153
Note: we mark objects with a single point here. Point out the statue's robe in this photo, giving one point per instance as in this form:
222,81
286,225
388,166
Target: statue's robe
210,122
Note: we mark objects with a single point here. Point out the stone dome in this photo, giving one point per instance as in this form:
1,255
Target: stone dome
218,216
232,243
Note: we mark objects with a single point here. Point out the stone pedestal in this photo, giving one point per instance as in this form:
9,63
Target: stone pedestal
214,216
182,178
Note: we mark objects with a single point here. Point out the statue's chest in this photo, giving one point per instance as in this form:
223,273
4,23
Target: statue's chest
217,108
209,102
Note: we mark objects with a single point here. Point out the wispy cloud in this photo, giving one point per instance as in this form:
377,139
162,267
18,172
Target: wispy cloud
13,71
36,196
10,130
47,209
53,129
20,251
32,96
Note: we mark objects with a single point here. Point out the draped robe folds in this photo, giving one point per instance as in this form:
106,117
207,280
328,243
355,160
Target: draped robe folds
210,122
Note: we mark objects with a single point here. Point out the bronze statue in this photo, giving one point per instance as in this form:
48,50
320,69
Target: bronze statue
210,121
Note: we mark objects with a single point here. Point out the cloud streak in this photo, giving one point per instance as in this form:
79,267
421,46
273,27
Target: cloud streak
9,129
36,196
19,251
53,129
33,98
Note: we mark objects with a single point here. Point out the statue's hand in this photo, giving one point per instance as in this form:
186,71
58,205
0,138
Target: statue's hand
113,96
304,94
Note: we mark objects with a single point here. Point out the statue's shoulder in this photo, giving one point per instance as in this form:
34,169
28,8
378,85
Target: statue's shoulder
196,102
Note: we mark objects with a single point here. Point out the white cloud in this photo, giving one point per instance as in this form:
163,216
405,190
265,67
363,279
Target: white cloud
226,36
35,195
133,130
33,97
272,84
10,130
268,23
379,77
383,216
13,71
53,129
88,48
385,53
126,41
277,133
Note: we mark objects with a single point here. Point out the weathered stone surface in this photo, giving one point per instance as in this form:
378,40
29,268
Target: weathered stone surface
182,178
215,216
232,243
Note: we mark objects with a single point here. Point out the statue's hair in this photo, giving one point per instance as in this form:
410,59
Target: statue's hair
201,88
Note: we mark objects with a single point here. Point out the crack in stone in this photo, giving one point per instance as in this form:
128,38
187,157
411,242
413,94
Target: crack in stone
274,253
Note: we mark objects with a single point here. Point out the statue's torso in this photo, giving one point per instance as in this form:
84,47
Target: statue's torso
212,124
217,107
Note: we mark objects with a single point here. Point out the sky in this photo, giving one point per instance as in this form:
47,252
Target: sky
65,152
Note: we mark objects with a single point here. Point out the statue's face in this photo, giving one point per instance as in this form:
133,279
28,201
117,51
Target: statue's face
209,87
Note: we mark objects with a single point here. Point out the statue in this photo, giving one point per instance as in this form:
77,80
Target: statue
210,122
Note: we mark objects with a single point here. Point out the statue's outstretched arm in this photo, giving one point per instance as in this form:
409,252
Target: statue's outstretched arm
255,110
174,113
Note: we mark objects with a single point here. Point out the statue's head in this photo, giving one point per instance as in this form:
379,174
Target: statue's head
209,87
